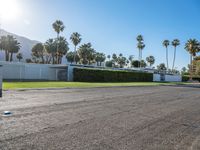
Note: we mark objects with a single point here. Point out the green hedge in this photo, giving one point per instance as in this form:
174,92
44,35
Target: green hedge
186,78
97,75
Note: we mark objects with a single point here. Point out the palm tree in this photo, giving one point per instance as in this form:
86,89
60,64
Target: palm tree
150,60
76,39
4,46
10,45
70,57
38,52
86,53
100,57
140,46
51,48
175,43
58,26
192,46
15,47
62,48
166,44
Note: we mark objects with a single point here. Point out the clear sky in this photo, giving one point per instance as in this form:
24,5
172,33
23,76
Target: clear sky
112,25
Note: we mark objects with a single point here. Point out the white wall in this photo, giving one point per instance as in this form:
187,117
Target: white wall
168,78
173,78
24,71
156,77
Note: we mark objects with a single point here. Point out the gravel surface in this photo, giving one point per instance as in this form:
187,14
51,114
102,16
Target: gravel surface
118,118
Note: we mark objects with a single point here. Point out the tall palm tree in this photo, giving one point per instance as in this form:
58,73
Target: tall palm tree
76,39
10,45
58,26
4,46
14,48
166,44
51,48
175,43
192,46
140,46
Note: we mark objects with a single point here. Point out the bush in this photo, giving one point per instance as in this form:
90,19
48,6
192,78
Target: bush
186,78
94,75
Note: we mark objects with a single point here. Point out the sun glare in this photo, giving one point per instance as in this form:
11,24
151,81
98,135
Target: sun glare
9,9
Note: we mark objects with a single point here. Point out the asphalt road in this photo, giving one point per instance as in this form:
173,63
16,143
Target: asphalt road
119,118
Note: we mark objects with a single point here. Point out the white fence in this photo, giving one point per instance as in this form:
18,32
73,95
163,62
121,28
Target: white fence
167,78
25,71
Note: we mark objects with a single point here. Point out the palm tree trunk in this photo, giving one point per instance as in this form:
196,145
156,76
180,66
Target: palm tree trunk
6,55
191,67
140,58
11,57
53,57
174,58
167,58
57,49
75,54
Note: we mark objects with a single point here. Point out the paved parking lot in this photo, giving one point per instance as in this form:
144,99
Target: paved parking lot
119,118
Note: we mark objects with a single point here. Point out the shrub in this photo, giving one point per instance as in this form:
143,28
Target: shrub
96,75
186,78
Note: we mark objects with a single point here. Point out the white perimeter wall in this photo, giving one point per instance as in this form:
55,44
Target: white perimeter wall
168,78
173,78
156,77
26,71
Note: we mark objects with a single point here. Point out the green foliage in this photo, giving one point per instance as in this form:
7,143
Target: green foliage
121,61
19,56
143,63
70,57
109,63
99,58
94,75
75,38
150,60
135,63
166,44
58,26
86,54
186,78
161,67
140,46
38,52
28,60
10,45
51,48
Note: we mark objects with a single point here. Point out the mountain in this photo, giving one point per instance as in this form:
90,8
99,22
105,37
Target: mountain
26,45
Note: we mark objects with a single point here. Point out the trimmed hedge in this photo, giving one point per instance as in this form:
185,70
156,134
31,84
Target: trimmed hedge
97,75
186,78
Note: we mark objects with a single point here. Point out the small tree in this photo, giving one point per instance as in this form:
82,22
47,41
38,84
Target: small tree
28,60
121,61
70,57
161,67
150,60
19,56
135,63
38,52
109,63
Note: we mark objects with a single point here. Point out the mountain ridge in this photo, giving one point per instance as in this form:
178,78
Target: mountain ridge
26,45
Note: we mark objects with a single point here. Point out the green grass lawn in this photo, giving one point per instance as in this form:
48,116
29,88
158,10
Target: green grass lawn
20,85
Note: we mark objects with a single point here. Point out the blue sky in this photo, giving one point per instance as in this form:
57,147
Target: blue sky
112,25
